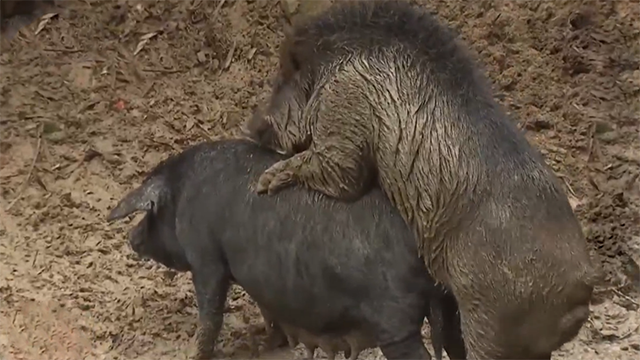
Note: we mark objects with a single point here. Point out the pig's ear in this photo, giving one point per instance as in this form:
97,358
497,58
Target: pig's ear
144,198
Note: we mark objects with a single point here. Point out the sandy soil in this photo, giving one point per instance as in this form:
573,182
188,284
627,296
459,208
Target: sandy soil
102,91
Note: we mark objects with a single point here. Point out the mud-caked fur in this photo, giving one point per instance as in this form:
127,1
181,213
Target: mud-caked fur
381,91
332,269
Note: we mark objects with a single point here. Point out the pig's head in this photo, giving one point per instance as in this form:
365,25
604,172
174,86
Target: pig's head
283,124
154,236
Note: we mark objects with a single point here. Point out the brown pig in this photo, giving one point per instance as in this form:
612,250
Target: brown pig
382,92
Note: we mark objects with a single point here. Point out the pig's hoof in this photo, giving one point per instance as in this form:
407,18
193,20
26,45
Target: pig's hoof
280,181
274,179
205,344
263,183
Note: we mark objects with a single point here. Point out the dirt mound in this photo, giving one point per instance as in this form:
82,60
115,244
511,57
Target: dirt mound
94,96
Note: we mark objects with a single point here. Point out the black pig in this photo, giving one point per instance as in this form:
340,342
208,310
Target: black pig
317,264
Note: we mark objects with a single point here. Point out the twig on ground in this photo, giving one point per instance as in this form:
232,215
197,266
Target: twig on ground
229,59
35,257
217,9
628,298
25,182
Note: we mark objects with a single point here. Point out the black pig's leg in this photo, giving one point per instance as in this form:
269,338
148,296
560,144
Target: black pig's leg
336,171
435,317
410,347
211,284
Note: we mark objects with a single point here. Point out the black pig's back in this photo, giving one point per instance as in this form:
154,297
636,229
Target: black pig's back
300,252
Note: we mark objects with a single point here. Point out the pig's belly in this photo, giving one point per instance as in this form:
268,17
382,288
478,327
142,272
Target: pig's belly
316,298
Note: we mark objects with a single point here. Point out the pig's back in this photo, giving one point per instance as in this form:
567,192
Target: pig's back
299,251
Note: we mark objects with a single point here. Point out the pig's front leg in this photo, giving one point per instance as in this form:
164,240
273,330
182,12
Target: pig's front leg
211,285
279,176
337,171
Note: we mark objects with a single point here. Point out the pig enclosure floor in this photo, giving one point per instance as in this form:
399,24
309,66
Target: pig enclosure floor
83,116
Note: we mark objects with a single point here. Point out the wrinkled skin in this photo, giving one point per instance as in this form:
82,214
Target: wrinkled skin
382,92
346,275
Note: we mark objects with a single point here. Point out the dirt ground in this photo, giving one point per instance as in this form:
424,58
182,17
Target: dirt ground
100,92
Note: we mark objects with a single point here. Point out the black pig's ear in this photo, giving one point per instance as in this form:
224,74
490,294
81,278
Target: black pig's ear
144,198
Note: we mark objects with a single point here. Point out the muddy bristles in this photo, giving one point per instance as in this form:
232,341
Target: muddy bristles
94,95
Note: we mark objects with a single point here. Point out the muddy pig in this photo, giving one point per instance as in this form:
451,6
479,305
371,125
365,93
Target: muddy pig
382,92
324,266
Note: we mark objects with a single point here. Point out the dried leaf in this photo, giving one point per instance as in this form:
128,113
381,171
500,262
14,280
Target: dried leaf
143,41
251,53
141,45
44,22
227,61
48,16
189,125
149,35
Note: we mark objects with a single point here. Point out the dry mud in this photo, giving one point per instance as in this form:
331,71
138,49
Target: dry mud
95,95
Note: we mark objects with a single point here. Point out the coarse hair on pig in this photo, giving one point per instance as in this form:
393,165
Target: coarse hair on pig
380,91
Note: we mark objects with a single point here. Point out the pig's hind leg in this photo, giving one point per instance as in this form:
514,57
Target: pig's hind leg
452,339
337,171
211,283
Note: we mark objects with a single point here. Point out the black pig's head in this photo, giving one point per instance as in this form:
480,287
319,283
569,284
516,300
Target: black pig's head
154,236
